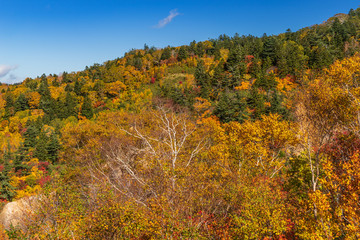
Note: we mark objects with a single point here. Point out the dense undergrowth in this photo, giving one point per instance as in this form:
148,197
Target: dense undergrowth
231,138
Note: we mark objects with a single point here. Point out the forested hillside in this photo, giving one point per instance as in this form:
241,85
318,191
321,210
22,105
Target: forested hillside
237,137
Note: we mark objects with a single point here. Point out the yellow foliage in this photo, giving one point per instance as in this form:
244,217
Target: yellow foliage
259,144
33,99
208,62
2,101
207,44
19,90
202,107
189,80
56,92
285,85
30,180
224,53
244,86
115,88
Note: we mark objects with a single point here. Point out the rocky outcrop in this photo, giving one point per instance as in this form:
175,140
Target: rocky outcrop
17,213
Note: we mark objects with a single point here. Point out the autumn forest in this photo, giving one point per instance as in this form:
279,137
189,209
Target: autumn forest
238,137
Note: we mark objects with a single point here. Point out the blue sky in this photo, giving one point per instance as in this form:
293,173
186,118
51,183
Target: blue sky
43,36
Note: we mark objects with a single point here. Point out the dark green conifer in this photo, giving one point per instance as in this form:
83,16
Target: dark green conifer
202,79
53,148
21,103
166,54
86,108
70,105
182,55
40,148
7,191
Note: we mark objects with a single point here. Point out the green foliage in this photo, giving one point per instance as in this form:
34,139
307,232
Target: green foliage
21,103
70,106
52,148
40,147
166,54
292,59
86,108
44,86
269,50
232,107
30,135
183,54
202,79
235,150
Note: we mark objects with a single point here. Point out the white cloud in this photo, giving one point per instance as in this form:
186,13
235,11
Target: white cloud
6,75
5,69
12,79
162,23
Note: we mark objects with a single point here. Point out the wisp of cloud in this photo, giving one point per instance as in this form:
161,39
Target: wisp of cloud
162,23
5,69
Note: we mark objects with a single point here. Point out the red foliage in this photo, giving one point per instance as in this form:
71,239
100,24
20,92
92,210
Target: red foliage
22,185
23,130
43,166
290,231
99,104
19,173
249,58
291,77
42,181
341,147
196,90
152,81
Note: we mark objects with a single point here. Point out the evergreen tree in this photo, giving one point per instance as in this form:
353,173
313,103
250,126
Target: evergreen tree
18,165
202,79
291,58
7,191
69,88
320,57
182,55
65,77
219,76
199,49
77,87
138,63
40,148
352,13
86,108
231,107
44,87
56,82
21,103
30,135
192,46
47,104
31,83
9,105
269,49
70,105
277,106
265,82
166,54
146,47
340,33
256,103
53,148
236,66
288,34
